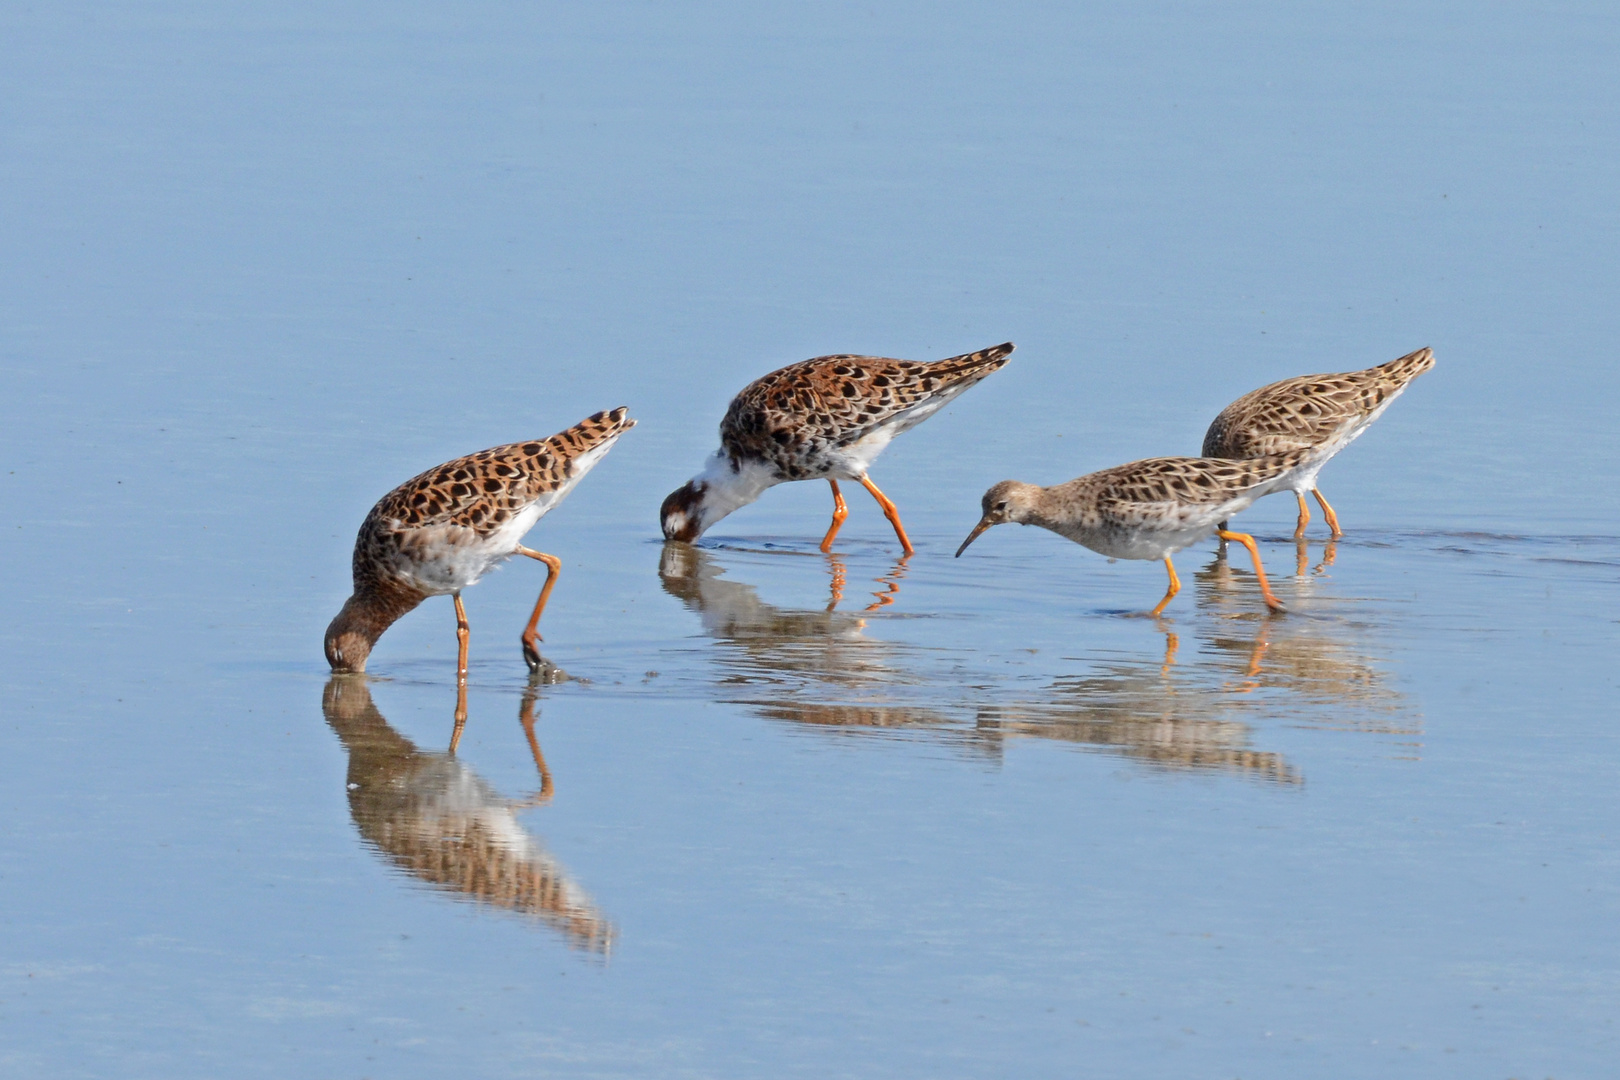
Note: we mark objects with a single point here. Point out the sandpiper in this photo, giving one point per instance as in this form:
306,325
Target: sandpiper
443,530
822,419
1149,509
1317,413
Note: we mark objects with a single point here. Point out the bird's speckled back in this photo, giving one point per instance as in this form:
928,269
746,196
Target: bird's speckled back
480,492
1309,411
795,418
1161,488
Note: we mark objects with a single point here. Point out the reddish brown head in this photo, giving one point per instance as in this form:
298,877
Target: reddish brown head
357,627
682,512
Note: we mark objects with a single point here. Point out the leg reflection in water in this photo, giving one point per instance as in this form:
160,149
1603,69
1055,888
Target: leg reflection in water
1171,644
835,567
1161,714
891,585
812,665
1329,553
435,819
884,596
1329,666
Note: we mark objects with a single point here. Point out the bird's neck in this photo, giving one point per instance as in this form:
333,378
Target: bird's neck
1037,506
727,488
364,617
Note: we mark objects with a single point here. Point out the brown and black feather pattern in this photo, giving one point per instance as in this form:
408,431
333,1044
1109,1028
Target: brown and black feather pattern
1163,489
796,419
1309,411
480,492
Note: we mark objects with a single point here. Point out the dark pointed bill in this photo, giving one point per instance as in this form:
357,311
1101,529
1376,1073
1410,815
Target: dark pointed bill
984,523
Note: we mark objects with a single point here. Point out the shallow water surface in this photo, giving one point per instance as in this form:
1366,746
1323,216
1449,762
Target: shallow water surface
770,812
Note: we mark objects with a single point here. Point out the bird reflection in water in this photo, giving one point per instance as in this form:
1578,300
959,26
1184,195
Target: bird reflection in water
807,666
1330,551
1195,707
433,817
1150,711
1322,662
1199,712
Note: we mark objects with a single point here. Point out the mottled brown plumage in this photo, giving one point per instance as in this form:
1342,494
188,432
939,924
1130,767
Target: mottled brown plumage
441,531
1317,413
804,419
827,418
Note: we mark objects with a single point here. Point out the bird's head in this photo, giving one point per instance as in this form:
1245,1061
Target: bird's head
682,512
364,617
348,643
1007,501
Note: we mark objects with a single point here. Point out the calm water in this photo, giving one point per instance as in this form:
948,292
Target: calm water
777,813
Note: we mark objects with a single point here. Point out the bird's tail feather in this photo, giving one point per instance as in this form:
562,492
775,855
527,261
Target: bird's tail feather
973,364
1406,368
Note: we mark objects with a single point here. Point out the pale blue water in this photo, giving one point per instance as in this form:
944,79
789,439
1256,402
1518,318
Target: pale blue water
262,264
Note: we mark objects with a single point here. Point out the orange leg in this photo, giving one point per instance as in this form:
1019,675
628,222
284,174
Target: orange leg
463,632
1327,512
531,633
461,715
1175,587
840,512
1259,572
1304,516
889,512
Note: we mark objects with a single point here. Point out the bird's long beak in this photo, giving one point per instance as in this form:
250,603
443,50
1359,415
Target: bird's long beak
984,523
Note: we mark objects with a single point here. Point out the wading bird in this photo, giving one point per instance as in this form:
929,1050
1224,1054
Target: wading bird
443,530
1317,413
1148,509
822,419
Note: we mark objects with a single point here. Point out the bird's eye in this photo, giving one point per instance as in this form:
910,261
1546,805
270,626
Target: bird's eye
1001,506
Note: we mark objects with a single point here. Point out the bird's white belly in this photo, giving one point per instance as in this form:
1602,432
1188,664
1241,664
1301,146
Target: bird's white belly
1304,479
446,559
1142,544
511,534
1155,530
855,459
449,558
